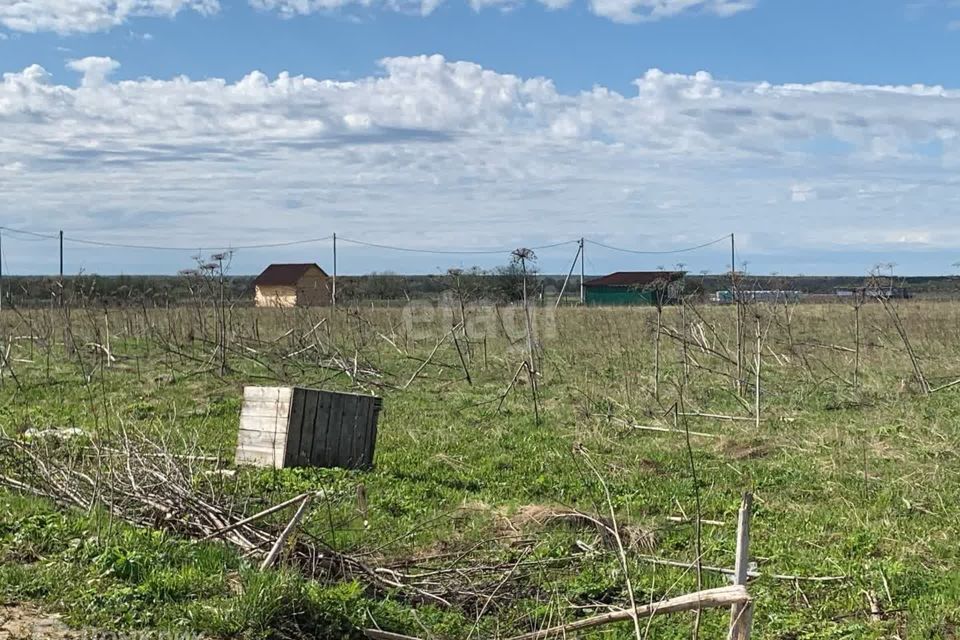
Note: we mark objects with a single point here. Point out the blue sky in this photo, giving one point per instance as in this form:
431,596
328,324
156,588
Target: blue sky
863,41
826,135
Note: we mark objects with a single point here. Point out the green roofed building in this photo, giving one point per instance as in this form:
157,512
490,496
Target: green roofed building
634,288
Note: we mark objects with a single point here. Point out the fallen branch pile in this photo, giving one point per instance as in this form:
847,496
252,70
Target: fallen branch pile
139,481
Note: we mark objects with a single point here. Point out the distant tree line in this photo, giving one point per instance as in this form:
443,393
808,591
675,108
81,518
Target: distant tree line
502,284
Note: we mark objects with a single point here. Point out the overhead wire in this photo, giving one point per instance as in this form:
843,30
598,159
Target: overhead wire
37,236
120,245
659,253
147,247
449,251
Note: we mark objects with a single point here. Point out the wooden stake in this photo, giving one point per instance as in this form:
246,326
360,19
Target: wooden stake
656,353
430,357
709,599
741,614
756,396
376,634
294,521
255,517
463,362
106,338
563,289
856,337
738,303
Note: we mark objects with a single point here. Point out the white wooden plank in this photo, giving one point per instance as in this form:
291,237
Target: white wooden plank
260,447
262,438
263,451
259,458
272,403
282,394
266,402
250,450
279,410
258,450
263,423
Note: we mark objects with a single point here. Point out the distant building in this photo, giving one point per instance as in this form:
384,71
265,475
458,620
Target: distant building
774,295
292,285
634,288
901,293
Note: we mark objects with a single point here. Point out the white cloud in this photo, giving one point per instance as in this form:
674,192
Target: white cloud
291,8
651,10
802,193
436,152
616,10
89,16
94,69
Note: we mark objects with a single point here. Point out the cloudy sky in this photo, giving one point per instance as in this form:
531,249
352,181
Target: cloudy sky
824,133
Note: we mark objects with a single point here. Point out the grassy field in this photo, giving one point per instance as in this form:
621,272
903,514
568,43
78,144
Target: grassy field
853,467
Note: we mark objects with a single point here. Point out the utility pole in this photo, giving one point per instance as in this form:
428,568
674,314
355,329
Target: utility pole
1,269
61,267
223,316
733,256
582,290
334,294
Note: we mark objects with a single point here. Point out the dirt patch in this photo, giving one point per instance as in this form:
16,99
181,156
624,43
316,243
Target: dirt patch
529,516
23,622
652,466
533,517
735,450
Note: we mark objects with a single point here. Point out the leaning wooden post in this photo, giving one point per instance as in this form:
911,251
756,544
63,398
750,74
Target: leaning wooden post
282,540
741,615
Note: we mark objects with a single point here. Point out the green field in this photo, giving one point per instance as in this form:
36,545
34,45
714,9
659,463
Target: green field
854,468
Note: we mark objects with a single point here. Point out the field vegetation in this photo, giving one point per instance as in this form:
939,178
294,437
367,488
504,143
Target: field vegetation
522,480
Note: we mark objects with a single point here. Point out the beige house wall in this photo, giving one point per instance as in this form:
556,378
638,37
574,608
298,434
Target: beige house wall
278,297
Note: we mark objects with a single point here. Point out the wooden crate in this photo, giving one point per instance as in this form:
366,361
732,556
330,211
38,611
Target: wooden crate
298,427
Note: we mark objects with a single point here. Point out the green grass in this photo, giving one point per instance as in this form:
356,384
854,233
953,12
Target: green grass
861,483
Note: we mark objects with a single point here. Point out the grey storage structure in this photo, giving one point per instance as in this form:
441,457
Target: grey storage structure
285,427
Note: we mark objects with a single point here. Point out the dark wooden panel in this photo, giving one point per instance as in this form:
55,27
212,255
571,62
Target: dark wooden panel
358,434
319,431
295,428
307,435
329,429
330,443
345,445
365,432
375,405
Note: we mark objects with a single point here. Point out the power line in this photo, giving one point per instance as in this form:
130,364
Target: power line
37,237
661,253
451,252
121,245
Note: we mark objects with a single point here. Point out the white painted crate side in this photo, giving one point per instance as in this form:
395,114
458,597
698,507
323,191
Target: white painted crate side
262,439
